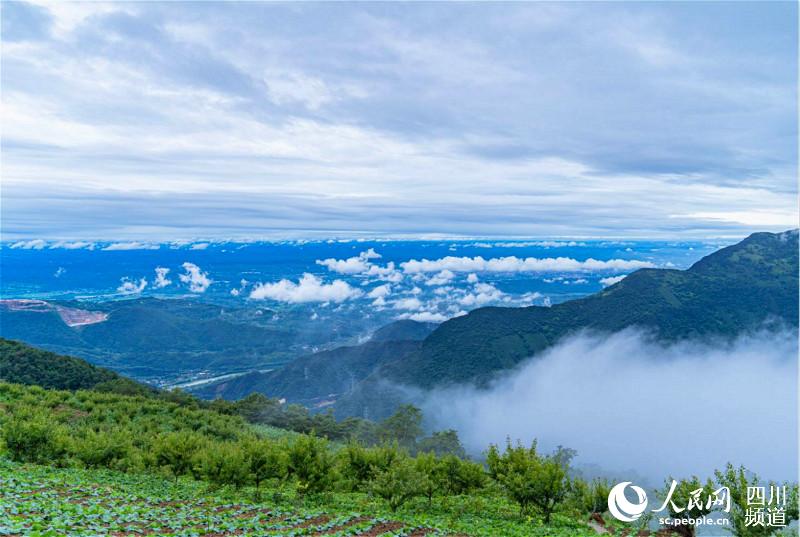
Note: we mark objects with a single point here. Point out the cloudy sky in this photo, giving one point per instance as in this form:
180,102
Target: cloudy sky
251,120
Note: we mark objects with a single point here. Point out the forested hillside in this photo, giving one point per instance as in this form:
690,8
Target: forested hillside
738,288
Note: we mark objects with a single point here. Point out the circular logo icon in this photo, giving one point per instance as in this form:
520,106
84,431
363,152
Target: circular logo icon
623,509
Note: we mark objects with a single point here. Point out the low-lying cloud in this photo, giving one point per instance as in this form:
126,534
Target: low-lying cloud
197,280
308,289
626,402
518,264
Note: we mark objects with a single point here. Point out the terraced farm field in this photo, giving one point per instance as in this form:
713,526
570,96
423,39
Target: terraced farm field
40,501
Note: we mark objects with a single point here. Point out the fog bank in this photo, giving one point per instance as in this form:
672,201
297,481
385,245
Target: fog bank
626,402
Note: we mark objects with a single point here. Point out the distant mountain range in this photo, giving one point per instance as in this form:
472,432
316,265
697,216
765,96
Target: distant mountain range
746,286
319,379
749,285
148,338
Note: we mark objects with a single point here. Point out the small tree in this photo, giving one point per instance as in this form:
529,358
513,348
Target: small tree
223,464
35,438
428,467
458,476
265,460
591,497
357,465
176,452
530,479
404,426
442,443
398,483
311,463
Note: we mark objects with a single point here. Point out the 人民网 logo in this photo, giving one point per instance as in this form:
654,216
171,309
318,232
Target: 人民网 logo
622,508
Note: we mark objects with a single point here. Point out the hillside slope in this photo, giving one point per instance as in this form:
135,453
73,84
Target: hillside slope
316,379
750,285
149,338
23,364
734,289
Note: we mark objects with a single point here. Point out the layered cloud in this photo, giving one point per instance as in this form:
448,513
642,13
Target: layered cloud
325,140
308,289
35,244
516,264
121,246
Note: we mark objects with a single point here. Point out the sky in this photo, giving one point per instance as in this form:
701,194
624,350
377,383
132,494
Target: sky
181,120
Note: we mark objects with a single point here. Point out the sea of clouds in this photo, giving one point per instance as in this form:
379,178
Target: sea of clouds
635,406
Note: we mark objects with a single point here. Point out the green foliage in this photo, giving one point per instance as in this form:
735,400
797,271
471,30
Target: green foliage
23,364
311,463
33,436
591,497
531,479
111,448
732,290
459,476
442,443
175,452
398,483
223,463
404,426
266,460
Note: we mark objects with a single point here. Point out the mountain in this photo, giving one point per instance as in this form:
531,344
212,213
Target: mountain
318,379
735,289
23,364
750,285
404,330
149,338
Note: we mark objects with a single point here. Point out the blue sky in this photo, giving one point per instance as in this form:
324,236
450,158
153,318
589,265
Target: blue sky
254,120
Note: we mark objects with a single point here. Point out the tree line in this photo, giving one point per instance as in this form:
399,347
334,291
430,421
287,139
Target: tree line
144,434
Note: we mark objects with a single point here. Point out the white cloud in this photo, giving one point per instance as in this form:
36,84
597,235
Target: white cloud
484,294
197,280
59,272
357,265
611,280
380,292
441,278
36,244
411,303
308,289
472,278
590,390
424,317
352,265
517,264
199,246
120,246
131,287
161,278
72,245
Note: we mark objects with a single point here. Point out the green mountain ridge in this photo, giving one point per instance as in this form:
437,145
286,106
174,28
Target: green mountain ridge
747,286
149,338
735,289
738,288
23,364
